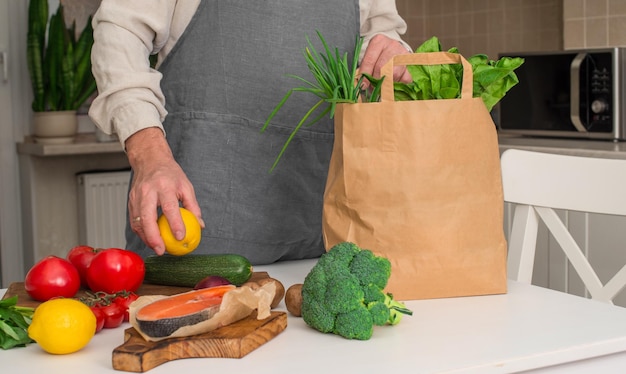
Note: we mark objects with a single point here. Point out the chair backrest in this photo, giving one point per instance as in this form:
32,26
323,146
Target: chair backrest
537,183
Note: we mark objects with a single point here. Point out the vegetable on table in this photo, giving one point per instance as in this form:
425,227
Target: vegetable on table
293,299
113,315
110,309
52,277
211,281
124,299
114,269
344,293
100,318
188,270
14,322
80,256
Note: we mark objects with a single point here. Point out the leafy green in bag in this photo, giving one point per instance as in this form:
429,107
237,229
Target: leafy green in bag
337,81
492,79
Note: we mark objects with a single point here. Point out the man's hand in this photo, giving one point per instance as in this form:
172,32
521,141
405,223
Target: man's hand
158,181
380,50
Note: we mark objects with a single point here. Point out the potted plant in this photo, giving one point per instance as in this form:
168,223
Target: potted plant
60,72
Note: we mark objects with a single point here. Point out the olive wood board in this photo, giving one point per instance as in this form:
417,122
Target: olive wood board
232,341
23,299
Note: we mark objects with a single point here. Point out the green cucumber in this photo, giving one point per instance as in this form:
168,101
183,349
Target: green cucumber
186,271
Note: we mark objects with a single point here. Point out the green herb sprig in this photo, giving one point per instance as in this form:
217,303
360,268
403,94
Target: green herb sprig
335,82
14,322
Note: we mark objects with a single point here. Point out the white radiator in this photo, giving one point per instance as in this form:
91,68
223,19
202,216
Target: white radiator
102,208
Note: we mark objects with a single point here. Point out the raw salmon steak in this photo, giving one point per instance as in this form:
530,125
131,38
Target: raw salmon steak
164,316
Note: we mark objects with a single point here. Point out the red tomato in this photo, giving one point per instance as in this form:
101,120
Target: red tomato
52,277
81,256
113,270
100,317
124,299
113,315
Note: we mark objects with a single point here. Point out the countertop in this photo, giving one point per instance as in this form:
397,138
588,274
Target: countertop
86,143
575,147
529,328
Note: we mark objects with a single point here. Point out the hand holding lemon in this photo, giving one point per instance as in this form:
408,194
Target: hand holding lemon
192,237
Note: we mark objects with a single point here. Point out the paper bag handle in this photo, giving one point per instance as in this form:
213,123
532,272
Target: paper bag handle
426,58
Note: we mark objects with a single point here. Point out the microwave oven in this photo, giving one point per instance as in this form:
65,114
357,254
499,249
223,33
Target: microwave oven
569,94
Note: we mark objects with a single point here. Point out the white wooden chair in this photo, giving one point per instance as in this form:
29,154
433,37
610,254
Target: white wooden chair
538,183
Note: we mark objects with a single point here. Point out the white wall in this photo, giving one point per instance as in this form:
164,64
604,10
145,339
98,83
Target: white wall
15,100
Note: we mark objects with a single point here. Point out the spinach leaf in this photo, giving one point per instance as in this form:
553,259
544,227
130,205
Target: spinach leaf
491,80
14,322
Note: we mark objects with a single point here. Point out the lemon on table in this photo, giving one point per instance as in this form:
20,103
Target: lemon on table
192,234
62,326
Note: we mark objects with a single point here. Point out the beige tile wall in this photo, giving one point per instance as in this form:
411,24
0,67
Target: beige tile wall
485,26
594,23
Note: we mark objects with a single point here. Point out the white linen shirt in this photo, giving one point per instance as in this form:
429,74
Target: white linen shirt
126,33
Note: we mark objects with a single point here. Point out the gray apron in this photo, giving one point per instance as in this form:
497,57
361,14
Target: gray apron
221,81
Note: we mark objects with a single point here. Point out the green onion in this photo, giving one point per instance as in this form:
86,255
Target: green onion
335,82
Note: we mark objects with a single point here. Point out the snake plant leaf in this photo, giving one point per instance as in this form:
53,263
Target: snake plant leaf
54,59
35,39
60,70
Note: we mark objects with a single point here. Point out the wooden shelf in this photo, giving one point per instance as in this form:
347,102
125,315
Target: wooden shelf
84,144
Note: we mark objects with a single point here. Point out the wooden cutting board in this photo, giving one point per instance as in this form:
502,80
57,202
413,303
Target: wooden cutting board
233,341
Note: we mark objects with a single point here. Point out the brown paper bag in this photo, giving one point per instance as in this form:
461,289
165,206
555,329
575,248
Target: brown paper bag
419,183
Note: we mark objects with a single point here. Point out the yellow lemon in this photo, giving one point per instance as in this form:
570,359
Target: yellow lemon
192,234
62,326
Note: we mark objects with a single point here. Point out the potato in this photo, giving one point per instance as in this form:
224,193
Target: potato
293,299
280,290
253,285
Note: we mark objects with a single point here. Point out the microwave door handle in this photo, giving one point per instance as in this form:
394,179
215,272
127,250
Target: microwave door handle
575,92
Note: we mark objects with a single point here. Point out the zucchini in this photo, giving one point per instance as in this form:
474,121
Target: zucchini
186,271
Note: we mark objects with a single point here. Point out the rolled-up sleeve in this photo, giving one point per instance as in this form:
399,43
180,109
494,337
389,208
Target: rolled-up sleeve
381,17
126,33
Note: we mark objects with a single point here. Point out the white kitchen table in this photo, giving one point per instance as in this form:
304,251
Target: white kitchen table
529,328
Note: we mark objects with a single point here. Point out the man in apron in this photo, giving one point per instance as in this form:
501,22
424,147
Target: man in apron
223,73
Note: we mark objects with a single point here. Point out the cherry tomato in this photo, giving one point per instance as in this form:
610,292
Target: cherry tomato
113,270
109,309
113,315
52,277
81,256
100,317
124,299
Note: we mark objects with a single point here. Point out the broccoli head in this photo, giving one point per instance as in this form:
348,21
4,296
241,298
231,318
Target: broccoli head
355,324
372,293
380,313
343,293
371,269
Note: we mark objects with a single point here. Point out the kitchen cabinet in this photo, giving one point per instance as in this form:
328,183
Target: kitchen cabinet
602,237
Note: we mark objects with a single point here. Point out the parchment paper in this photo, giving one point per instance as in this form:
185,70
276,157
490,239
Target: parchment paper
236,305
